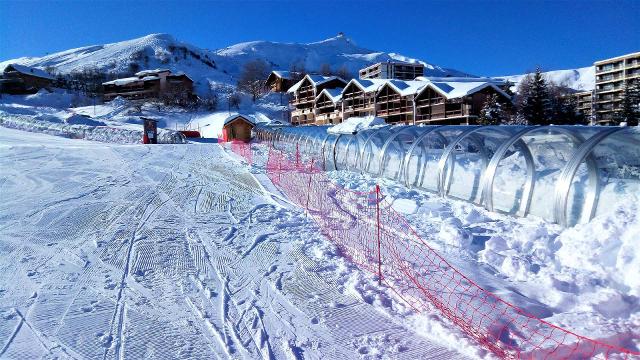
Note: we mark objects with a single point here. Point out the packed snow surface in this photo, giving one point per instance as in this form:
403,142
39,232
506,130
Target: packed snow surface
354,124
581,79
178,251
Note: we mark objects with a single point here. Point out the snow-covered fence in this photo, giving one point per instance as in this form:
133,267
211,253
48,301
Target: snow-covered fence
87,132
368,232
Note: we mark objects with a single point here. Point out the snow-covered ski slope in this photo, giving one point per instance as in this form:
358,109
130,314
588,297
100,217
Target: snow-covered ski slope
216,66
115,251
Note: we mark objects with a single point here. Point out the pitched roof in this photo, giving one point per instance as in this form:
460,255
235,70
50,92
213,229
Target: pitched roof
316,80
368,85
123,81
282,74
457,89
232,117
151,72
31,71
334,95
406,87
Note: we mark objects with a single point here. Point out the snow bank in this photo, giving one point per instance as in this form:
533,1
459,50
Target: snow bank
87,132
355,124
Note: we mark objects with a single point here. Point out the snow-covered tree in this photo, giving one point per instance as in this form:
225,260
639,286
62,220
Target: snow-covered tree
493,112
629,110
252,78
534,100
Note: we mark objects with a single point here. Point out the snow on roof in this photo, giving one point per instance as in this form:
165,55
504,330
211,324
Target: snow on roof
462,79
457,89
211,125
282,74
151,72
406,87
368,85
123,81
333,94
31,71
316,80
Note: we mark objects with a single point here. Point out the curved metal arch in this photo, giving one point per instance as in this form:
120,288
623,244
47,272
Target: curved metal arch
525,203
391,128
444,179
368,133
383,150
323,152
444,158
563,185
349,138
361,152
407,156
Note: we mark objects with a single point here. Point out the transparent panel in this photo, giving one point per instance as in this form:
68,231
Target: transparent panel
526,176
617,168
396,148
370,155
328,152
421,166
341,151
354,148
465,166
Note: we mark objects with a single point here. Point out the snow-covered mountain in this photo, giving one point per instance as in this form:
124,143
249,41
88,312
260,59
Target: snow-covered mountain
581,79
221,66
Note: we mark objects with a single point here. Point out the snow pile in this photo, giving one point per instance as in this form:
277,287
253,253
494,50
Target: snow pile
354,124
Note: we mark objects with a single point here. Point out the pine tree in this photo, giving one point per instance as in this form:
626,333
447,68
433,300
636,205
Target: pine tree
629,110
534,101
493,112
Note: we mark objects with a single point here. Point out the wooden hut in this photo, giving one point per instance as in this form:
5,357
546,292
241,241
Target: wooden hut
237,127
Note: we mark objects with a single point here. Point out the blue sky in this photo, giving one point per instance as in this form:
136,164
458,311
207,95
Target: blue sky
479,37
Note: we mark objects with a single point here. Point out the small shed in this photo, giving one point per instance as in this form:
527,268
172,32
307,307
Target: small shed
237,127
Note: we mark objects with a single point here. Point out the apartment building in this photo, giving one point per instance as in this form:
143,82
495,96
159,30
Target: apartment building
611,77
304,94
393,70
584,104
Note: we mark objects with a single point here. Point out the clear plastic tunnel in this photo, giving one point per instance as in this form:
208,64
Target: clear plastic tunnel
523,173
562,174
422,159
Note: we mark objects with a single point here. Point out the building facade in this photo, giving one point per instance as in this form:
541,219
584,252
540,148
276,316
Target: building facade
393,70
612,75
149,84
432,100
304,94
19,79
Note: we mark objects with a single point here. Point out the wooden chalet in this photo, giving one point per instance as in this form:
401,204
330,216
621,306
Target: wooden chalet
394,101
149,84
454,101
359,96
280,81
328,107
19,79
304,94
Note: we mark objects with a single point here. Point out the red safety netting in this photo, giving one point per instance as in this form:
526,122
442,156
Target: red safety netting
367,231
243,149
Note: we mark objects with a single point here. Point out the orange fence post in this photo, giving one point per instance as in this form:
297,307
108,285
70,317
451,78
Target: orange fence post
378,227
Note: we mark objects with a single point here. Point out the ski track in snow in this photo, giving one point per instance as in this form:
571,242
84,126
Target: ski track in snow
170,252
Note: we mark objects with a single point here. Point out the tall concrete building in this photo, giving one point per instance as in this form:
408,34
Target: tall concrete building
611,77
